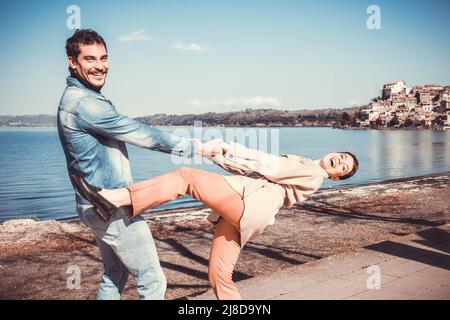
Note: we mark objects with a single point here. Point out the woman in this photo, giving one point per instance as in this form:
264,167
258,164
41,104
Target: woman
243,204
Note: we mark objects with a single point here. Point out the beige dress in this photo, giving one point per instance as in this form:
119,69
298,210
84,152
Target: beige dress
266,183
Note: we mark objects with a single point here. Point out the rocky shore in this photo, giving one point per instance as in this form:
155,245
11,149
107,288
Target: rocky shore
36,256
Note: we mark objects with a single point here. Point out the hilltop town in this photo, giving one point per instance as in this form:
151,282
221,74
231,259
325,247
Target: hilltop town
426,106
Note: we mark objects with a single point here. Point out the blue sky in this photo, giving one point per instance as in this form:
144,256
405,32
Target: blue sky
200,56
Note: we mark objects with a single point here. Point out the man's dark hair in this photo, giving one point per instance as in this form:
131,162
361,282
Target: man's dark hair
82,36
354,169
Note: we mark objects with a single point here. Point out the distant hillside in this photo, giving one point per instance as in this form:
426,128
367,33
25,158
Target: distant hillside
41,120
245,118
254,117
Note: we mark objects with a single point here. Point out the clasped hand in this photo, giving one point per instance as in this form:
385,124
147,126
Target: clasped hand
212,148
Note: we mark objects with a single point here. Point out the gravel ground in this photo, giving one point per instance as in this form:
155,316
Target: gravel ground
35,256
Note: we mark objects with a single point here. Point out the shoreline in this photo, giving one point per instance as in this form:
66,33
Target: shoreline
331,126
193,208
395,129
35,255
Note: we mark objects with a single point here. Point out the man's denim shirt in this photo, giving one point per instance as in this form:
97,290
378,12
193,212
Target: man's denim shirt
93,135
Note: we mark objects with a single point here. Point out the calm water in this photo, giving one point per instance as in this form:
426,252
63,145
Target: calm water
34,181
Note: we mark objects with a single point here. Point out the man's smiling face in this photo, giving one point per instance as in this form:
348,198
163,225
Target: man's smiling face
337,164
91,66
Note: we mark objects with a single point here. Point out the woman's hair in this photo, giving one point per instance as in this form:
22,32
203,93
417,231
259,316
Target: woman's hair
354,169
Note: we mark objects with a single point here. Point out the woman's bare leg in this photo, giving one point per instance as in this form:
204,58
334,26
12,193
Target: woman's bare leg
207,187
225,250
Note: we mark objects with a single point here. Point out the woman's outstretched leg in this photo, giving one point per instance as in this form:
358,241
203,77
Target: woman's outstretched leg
225,250
207,187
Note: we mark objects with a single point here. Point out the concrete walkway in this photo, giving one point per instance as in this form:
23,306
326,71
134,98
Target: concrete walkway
416,266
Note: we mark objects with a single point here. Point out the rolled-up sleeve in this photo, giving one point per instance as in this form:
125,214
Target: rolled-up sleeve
100,117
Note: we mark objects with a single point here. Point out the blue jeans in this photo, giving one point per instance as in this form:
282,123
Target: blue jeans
126,246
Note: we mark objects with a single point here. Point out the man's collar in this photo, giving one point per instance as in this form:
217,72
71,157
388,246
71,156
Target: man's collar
74,81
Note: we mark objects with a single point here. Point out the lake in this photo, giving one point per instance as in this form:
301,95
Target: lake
34,181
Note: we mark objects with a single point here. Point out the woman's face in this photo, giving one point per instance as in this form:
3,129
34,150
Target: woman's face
337,164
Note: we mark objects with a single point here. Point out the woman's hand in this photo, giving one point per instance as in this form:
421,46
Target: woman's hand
212,148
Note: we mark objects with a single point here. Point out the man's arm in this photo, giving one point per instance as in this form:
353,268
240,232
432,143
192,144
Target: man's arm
101,118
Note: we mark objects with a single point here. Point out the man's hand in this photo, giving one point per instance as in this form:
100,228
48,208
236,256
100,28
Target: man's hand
212,148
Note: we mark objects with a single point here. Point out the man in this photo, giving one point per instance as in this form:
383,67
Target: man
93,135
